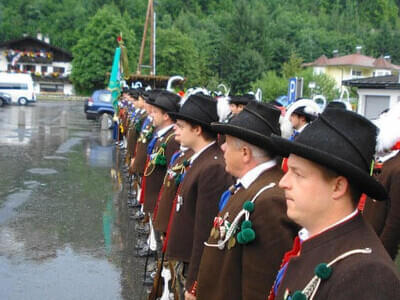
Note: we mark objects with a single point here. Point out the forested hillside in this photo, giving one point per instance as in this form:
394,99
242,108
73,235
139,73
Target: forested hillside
210,41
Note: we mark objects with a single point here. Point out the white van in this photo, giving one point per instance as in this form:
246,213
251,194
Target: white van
19,86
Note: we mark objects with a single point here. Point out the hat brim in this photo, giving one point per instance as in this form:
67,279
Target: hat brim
244,134
238,102
365,183
179,116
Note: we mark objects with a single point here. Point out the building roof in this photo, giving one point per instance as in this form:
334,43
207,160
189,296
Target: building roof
355,59
31,43
379,82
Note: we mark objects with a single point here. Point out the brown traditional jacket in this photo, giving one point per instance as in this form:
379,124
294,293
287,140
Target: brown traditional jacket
384,216
390,178
243,271
165,146
141,149
359,276
168,191
198,199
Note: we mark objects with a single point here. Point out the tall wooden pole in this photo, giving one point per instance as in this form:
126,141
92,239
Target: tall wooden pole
148,15
151,37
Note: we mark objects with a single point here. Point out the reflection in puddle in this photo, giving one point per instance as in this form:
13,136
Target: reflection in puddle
54,157
68,145
45,281
12,202
42,171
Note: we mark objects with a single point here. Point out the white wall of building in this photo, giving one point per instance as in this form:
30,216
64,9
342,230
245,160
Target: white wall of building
68,87
363,94
3,60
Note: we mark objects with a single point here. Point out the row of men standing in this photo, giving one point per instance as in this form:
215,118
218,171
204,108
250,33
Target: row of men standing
215,194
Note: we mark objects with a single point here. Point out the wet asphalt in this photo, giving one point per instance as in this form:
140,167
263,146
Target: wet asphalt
64,226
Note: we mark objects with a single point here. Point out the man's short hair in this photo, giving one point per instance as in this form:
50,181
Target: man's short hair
355,194
207,134
258,153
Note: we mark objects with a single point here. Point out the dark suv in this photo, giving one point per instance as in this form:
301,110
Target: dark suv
99,107
5,98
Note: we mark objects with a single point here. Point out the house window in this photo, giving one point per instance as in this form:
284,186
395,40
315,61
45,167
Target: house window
43,69
356,73
29,68
59,70
52,88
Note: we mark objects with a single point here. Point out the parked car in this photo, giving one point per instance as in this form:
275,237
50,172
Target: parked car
5,98
19,86
99,107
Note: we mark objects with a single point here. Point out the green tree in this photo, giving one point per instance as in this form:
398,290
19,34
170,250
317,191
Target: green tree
272,85
177,55
292,66
93,54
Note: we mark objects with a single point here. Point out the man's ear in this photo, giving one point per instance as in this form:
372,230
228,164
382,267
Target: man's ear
340,186
166,117
197,130
246,153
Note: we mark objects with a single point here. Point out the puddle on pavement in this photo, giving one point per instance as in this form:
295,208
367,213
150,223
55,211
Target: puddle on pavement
42,171
68,145
55,157
13,201
45,281
66,236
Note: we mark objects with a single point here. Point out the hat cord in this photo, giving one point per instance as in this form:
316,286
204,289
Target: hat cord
262,119
367,164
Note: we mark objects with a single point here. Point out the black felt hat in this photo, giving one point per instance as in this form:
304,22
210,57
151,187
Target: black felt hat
150,96
167,101
254,124
244,99
305,111
342,141
198,109
133,93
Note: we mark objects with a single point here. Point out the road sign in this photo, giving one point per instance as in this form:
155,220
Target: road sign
292,91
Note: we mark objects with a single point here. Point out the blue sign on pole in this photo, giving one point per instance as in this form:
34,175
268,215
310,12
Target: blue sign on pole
292,90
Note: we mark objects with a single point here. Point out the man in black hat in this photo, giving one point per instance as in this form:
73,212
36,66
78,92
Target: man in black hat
336,255
161,147
136,118
198,195
300,118
237,103
248,256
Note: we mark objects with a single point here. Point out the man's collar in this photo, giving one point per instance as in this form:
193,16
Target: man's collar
197,154
164,130
302,128
305,235
254,173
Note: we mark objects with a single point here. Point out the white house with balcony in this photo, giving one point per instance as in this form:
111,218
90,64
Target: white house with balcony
50,66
